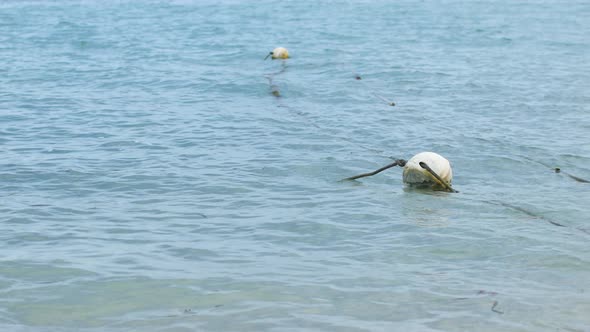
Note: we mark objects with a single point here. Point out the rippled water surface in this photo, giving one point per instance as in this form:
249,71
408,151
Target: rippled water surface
151,181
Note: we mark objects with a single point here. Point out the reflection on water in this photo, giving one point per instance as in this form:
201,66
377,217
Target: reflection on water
419,207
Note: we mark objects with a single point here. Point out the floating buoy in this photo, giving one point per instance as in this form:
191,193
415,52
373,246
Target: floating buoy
424,170
428,169
278,53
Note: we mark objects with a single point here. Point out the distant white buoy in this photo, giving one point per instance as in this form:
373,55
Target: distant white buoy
279,53
415,174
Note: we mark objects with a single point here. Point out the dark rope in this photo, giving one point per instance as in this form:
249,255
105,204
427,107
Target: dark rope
375,94
399,162
527,212
558,170
275,91
438,178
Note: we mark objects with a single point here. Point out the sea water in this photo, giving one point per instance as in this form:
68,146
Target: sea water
150,179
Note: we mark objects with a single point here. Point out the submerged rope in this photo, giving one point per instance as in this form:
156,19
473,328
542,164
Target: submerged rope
275,91
527,212
375,94
558,170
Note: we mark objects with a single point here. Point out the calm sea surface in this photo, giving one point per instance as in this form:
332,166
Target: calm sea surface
151,181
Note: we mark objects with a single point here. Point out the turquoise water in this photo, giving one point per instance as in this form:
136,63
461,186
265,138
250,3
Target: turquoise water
150,180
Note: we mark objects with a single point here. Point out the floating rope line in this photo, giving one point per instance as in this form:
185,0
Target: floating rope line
377,94
399,162
305,118
371,91
525,211
558,170
531,214
275,91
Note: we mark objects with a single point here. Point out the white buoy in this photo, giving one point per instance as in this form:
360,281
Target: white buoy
416,175
279,53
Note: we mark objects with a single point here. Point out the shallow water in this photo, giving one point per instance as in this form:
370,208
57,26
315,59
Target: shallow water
150,180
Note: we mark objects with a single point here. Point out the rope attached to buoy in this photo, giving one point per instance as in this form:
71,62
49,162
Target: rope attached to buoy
402,163
399,162
437,177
